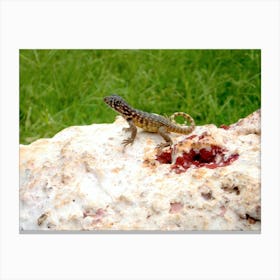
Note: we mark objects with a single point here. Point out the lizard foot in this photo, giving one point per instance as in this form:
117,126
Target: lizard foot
127,141
163,145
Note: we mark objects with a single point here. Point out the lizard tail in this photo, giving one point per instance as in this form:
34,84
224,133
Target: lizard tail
187,117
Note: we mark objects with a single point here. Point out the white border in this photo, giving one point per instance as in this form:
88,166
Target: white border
146,24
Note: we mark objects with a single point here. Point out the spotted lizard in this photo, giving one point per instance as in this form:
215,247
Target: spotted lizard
148,122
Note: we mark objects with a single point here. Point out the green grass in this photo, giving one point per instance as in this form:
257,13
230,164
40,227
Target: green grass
61,88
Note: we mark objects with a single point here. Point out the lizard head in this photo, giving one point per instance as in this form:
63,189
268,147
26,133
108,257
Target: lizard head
116,102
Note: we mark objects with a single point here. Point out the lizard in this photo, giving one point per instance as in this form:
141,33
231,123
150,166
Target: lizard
148,121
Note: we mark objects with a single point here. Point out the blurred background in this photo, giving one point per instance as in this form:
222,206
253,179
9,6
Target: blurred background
61,88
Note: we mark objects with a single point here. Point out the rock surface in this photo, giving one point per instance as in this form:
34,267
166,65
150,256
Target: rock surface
83,179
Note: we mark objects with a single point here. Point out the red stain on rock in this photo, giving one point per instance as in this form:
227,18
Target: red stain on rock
164,157
175,207
211,157
223,211
226,127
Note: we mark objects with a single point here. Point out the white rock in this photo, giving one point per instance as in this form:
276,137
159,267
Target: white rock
83,179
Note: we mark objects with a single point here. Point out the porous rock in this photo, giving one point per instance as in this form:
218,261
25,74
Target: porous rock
84,179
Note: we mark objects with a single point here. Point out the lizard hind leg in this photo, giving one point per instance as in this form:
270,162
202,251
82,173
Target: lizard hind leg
164,134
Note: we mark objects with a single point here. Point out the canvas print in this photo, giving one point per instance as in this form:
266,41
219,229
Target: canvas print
140,141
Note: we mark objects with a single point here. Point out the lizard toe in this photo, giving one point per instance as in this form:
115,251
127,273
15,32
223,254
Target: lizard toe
163,145
127,141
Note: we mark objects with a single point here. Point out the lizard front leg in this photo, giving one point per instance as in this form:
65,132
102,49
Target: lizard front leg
133,130
164,134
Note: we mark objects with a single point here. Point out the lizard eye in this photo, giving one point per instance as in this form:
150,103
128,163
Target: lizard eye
109,100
